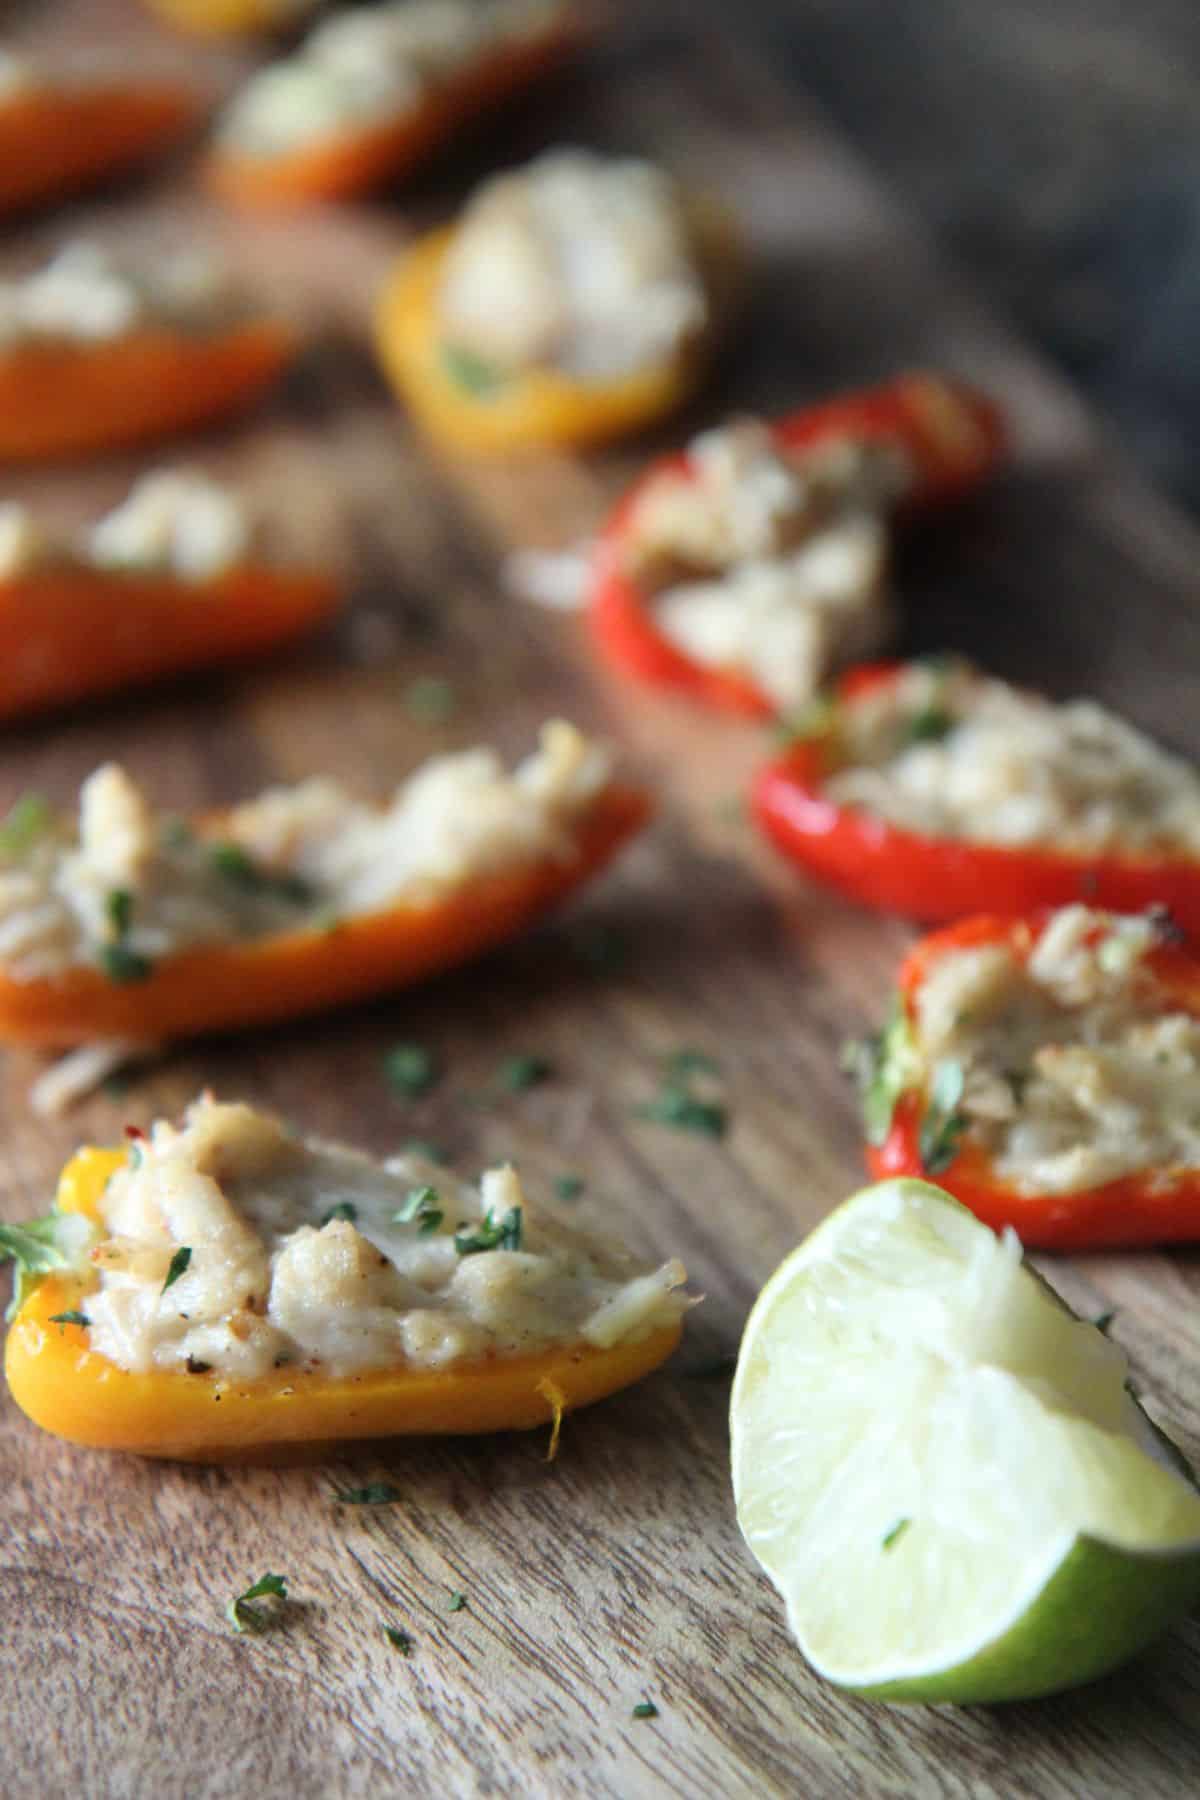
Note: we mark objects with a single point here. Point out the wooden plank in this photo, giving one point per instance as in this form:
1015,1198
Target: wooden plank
616,1572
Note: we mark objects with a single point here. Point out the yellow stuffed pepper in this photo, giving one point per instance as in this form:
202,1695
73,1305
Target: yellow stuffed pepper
225,1288
576,301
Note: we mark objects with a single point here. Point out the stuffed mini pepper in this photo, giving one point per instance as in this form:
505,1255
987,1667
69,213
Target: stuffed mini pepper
131,925
933,790
228,1287
1046,1072
745,570
173,579
98,351
60,132
576,300
375,90
232,18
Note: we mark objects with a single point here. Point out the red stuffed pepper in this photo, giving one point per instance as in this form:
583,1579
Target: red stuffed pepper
745,568
932,790
1045,1072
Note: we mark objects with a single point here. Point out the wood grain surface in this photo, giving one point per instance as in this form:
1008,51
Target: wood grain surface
615,1573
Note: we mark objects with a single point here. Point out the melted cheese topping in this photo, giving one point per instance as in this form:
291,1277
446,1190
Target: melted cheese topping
133,882
88,295
176,521
298,1257
1076,1069
371,63
578,262
948,753
790,548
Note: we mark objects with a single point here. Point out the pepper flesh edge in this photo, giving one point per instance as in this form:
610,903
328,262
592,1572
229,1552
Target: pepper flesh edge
77,1394
61,399
340,165
1150,1207
224,986
902,412
938,879
54,141
541,408
71,630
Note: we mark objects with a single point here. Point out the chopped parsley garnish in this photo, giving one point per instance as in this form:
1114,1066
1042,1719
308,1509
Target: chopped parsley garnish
25,821
897,1532
118,908
471,372
569,1187
604,948
345,1209
492,1234
943,1124
1103,1322
70,1317
645,1709
456,1602
678,1107
399,1640
429,699
427,1151
682,1063
123,965
239,868
423,1207
241,1611
178,1266
376,1493
882,1066
930,725
39,1246
411,1070
519,1073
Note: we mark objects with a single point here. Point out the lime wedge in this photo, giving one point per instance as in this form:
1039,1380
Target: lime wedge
942,1469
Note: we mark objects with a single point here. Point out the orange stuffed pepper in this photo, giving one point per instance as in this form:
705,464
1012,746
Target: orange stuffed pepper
743,571
1044,1071
60,133
373,92
96,353
232,18
576,301
229,1287
169,581
143,928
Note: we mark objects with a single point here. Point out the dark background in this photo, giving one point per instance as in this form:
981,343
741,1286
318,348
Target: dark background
1053,148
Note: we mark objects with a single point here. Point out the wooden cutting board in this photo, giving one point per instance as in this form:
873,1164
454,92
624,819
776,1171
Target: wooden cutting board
616,1572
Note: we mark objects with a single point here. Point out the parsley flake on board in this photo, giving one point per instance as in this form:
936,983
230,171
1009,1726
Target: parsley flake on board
683,1111
178,1266
427,1151
471,372
411,1070
25,821
492,1234
376,1493
422,1207
241,1611
943,1124
457,1602
344,1209
519,1073
895,1534
645,1709
399,1640
429,699
70,1317
1103,1322
682,1063
569,1187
